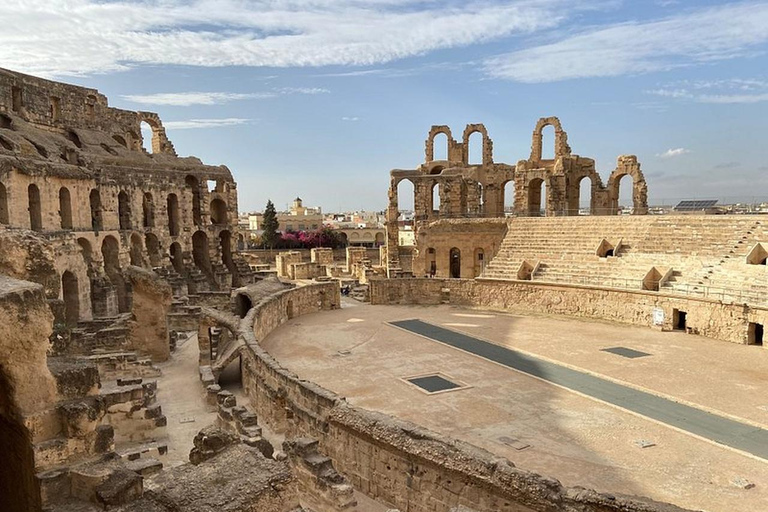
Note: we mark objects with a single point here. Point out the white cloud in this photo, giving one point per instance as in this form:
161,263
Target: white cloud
694,37
185,99
352,119
672,153
191,124
728,91
76,37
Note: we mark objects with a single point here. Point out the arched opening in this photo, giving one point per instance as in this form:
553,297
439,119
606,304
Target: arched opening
243,304
225,244
240,242
475,149
35,209
405,196
110,252
71,295
124,210
65,208
147,134
509,198
625,187
4,205
455,263
218,212
177,257
95,201
173,214
548,142
137,258
200,252
440,147
289,309
120,140
431,261
148,210
537,197
585,196
194,185
434,207
86,251
19,486
153,250
479,261
74,138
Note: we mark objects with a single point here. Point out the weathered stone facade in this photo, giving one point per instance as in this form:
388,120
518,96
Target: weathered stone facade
469,190
74,170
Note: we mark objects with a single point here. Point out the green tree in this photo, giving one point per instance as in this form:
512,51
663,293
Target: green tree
270,237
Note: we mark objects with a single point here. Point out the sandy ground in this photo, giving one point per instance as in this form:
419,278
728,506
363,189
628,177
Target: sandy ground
576,439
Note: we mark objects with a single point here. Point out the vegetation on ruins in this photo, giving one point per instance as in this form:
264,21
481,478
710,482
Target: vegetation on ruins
270,237
321,237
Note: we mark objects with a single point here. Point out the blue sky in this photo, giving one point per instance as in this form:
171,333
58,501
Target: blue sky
321,98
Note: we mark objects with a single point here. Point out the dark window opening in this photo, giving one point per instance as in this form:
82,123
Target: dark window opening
35,208
16,99
679,319
755,334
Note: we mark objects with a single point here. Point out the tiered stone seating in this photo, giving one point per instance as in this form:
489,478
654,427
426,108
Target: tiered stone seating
700,253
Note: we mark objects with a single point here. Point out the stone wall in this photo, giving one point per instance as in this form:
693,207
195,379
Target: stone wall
149,322
391,460
707,317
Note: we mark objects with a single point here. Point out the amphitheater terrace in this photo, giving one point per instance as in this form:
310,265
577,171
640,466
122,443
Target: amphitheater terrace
517,352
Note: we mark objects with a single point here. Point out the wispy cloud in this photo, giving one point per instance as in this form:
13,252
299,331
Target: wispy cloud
76,37
185,99
672,153
728,91
351,119
694,37
191,124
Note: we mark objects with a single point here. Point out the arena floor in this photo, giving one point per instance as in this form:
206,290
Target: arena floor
541,426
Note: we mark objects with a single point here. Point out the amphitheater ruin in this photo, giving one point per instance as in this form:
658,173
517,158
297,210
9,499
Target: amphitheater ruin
537,357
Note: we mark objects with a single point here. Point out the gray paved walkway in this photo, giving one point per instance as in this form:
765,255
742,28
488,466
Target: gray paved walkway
720,429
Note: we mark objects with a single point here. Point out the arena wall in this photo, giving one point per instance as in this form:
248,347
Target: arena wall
707,317
388,459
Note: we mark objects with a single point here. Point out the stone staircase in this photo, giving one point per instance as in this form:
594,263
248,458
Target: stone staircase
702,255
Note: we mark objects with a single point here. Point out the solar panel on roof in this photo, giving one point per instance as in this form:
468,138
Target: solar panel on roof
695,205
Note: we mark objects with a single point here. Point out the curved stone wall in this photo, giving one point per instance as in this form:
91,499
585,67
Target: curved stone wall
711,318
386,458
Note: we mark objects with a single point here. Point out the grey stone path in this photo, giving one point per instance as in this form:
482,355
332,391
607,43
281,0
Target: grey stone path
720,429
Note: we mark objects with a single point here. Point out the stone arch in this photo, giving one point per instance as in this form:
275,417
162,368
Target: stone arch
35,208
479,261
148,210
87,252
153,250
74,138
536,198
431,263
243,304
19,486
218,210
225,244
508,202
177,257
124,210
4,216
148,145
65,208
94,198
430,142
486,158
71,294
434,198
454,262
561,139
628,166
137,249
379,238
172,208
110,252
200,252
159,142
194,185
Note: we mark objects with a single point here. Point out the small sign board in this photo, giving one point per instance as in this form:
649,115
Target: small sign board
658,316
